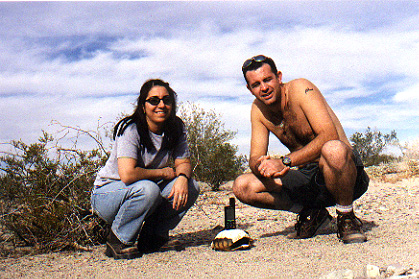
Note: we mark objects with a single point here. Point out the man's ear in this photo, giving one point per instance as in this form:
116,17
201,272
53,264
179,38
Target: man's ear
279,75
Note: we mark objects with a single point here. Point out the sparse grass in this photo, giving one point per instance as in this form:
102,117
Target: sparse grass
405,167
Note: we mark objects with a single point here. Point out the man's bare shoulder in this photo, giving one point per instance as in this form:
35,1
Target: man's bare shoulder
300,85
301,89
258,108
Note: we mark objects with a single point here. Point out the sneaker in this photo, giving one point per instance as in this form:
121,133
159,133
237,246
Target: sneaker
118,250
309,221
350,228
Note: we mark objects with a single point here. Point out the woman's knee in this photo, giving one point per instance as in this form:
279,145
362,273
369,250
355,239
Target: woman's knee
146,189
193,190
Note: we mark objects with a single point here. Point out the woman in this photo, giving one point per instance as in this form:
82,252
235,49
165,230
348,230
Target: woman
136,191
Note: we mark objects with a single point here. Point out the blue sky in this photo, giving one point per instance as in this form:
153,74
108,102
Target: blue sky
83,63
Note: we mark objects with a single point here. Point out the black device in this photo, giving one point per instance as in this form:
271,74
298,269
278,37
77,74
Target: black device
286,161
230,215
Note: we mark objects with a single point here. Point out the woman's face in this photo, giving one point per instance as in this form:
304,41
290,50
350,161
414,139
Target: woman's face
158,107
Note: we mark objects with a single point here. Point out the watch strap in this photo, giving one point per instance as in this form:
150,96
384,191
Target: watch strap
182,174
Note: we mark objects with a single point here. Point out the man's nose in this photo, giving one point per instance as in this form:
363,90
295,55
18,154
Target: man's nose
263,86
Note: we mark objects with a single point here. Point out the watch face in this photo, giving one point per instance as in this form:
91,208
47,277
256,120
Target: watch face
286,161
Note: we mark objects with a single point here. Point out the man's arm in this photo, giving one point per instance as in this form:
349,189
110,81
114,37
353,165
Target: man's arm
315,108
259,138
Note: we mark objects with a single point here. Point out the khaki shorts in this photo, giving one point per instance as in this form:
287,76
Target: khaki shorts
306,185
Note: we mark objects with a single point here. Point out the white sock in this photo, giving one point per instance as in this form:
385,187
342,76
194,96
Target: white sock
296,208
344,208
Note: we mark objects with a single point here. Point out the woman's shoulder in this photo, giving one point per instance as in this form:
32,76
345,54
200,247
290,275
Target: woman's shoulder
130,131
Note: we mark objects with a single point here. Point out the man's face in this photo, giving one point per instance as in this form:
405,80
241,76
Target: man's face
264,84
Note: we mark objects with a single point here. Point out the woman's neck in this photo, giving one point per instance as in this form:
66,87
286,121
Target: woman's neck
155,128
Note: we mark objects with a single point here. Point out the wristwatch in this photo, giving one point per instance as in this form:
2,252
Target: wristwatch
286,161
184,175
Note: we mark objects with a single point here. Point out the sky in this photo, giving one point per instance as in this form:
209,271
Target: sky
81,64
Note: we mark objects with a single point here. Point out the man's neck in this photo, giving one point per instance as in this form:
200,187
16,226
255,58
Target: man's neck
278,107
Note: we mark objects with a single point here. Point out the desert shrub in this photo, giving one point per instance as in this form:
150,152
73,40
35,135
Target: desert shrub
371,145
411,150
45,188
213,158
44,194
411,157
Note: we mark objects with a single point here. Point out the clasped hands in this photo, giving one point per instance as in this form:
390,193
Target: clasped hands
271,168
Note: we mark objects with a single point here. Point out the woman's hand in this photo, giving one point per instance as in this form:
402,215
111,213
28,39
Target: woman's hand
179,192
167,173
130,173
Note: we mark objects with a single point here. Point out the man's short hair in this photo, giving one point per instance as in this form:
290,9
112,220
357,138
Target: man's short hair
254,64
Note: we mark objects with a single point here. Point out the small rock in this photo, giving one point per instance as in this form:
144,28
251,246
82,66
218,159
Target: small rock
395,270
372,272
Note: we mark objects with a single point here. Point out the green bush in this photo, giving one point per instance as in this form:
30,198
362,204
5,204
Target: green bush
45,196
45,188
371,145
214,159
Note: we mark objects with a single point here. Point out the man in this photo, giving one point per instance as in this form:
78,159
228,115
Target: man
321,169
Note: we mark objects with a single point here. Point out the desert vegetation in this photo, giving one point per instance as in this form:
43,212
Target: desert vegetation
45,186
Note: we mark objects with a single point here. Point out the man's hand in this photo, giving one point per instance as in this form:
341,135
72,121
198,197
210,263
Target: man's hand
271,168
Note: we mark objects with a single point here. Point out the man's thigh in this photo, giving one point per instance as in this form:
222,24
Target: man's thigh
300,185
251,183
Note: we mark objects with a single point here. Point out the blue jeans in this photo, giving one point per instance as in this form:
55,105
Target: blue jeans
127,207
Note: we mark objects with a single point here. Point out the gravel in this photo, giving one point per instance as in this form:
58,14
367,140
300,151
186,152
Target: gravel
389,211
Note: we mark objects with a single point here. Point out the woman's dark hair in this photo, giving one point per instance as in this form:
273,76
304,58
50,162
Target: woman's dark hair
172,127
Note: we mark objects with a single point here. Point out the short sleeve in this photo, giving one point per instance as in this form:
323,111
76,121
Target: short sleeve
181,150
128,144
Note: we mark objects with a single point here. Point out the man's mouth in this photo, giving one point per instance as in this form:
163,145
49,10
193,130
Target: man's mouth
267,96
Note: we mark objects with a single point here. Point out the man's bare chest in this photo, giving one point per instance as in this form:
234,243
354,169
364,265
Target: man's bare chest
293,129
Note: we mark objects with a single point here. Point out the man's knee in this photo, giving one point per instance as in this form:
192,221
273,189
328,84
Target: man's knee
241,186
336,154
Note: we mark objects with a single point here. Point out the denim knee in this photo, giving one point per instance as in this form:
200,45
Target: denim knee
193,192
148,189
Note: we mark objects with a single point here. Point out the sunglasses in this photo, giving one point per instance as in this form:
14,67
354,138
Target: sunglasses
154,101
258,59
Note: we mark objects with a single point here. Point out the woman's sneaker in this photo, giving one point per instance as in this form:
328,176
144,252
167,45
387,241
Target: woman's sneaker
309,221
118,250
350,228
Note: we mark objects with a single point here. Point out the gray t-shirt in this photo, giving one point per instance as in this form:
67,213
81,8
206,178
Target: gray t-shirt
128,145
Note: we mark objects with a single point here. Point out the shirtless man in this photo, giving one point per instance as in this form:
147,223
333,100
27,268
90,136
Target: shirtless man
321,169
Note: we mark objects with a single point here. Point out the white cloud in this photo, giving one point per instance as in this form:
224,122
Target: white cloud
411,94
199,49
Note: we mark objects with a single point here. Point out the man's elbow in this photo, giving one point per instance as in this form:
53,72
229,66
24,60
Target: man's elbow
332,134
254,167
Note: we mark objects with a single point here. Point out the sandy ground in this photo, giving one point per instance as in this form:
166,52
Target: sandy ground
390,212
